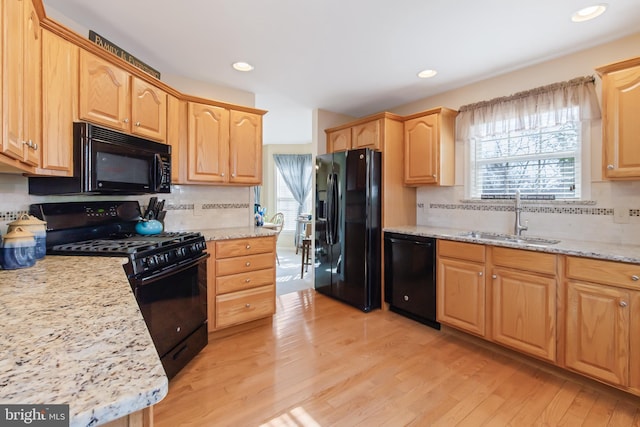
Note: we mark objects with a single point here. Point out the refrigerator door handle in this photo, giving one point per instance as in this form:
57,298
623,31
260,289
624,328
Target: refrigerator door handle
329,233
334,209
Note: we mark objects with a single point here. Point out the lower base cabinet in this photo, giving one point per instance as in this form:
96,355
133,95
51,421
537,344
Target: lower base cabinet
603,321
142,418
241,281
578,313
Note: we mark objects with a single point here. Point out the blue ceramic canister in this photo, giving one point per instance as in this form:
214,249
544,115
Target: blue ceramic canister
18,249
35,226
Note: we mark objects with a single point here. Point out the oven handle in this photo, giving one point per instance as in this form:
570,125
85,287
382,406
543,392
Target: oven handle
146,280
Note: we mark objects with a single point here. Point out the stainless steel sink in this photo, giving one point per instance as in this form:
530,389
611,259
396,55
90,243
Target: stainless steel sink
510,238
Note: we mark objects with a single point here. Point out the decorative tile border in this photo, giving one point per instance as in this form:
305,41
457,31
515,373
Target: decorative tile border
191,206
7,216
571,210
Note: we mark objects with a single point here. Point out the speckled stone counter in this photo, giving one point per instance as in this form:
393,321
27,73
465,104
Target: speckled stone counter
236,233
72,333
606,251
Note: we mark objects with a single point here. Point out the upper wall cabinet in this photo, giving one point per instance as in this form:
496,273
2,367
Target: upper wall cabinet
112,97
620,124
429,154
59,104
21,86
224,146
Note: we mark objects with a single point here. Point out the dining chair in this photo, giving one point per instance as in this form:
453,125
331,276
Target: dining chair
278,219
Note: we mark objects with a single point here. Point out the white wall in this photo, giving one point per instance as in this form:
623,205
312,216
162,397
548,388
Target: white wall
446,206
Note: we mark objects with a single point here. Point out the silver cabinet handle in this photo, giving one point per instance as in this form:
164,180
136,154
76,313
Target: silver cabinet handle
125,121
406,298
610,167
634,278
623,304
222,174
248,246
137,123
247,305
480,273
493,276
233,175
248,264
247,280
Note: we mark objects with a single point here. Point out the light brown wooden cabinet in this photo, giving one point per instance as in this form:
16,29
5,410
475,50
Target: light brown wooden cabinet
59,104
620,124
112,97
339,140
367,135
224,146
429,147
461,289
524,301
602,321
241,281
21,86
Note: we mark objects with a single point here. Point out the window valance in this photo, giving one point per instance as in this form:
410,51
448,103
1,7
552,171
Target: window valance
573,100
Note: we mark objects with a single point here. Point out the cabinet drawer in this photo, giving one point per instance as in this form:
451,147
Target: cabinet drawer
248,246
607,272
524,260
461,250
244,306
238,282
243,264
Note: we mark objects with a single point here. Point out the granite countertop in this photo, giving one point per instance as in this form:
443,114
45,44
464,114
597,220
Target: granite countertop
236,233
605,251
72,333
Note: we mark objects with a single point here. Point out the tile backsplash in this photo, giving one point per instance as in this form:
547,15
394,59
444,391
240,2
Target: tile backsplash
611,216
189,207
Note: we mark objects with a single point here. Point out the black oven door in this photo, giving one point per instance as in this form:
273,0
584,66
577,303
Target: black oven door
174,302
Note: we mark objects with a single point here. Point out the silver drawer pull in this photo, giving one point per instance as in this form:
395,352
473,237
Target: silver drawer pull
494,276
634,278
406,298
610,167
248,264
247,280
247,305
479,273
248,247
623,304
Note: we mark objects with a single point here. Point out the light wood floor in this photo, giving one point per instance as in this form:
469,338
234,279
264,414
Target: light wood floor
322,363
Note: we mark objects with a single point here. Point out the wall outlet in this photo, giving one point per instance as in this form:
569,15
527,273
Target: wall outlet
197,209
621,215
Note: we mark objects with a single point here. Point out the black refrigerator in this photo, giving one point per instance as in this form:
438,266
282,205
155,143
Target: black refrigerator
348,227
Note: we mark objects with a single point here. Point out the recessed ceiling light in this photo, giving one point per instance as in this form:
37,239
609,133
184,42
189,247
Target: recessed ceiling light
425,74
589,13
242,66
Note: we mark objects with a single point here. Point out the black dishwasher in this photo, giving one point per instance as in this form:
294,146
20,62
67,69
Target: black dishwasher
410,276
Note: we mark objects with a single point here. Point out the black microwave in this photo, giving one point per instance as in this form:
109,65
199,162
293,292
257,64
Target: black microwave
110,162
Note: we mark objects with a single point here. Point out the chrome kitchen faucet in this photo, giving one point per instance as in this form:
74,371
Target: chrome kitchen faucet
519,228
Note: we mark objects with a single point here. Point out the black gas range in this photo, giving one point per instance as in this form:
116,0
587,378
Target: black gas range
167,271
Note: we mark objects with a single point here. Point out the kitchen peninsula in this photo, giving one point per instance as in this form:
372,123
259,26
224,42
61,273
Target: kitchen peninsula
75,338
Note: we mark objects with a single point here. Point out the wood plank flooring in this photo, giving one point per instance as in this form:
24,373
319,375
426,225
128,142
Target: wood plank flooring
323,363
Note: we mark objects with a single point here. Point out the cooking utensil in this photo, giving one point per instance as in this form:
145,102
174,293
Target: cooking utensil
159,207
161,216
150,207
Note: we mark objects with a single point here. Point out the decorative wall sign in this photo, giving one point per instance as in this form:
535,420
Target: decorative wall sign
123,54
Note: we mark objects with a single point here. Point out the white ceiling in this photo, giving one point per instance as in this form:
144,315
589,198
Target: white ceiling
354,57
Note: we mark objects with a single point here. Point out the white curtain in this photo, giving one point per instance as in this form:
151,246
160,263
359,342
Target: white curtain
573,100
296,171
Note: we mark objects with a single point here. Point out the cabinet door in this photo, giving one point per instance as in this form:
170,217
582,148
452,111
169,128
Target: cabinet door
421,150
59,99
177,137
461,295
13,79
211,287
339,140
208,143
245,147
524,312
597,338
621,127
367,135
148,110
32,118
104,92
